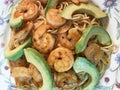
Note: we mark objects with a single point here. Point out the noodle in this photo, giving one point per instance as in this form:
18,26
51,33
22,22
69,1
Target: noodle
81,21
39,21
62,5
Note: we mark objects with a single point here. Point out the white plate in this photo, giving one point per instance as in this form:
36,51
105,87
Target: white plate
111,78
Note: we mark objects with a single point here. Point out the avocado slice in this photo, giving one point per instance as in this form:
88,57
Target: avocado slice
16,53
83,65
102,36
35,58
50,4
15,22
88,8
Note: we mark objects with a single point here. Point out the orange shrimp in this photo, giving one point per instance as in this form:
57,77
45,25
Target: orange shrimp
67,80
61,59
93,53
53,18
43,41
42,1
27,9
69,40
79,1
36,75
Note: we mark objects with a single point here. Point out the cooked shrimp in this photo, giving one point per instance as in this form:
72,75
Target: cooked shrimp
66,79
23,82
42,40
23,32
69,40
53,18
42,1
80,1
93,53
19,63
27,9
61,59
36,75
20,72
65,27
19,36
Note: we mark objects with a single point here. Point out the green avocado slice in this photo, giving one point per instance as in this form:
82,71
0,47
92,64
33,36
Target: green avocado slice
88,8
102,36
35,58
16,53
15,22
83,65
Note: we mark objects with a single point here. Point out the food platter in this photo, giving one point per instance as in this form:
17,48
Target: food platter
110,79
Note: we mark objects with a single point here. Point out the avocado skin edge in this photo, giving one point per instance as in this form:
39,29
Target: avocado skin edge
102,36
16,53
89,8
82,64
35,58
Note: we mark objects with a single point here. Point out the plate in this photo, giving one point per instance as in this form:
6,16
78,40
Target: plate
110,79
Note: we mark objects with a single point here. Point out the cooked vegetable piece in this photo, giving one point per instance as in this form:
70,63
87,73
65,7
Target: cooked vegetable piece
83,65
102,36
35,58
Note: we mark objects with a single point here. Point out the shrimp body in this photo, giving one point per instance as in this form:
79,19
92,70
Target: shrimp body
20,72
61,59
66,80
69,40
22,33
27,9
53,18
93,53
42,40
42,1
36,75
79,1
18,63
